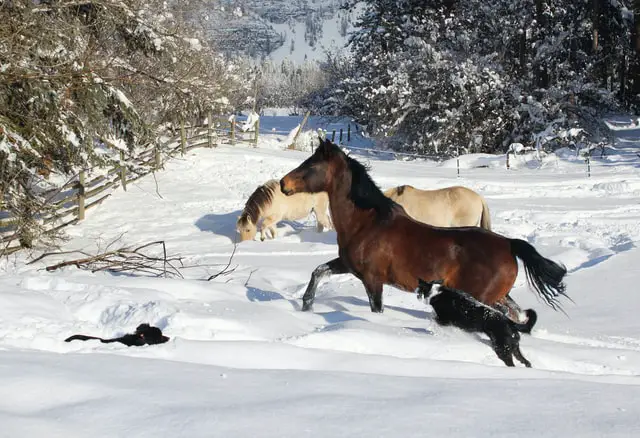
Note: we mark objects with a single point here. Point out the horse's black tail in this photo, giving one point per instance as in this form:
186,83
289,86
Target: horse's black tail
86,338
544,275
527,326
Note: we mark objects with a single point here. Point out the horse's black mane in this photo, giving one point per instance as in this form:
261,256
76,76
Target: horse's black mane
261,197
365,193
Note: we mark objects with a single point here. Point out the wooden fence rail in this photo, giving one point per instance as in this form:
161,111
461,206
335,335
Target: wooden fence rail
71,201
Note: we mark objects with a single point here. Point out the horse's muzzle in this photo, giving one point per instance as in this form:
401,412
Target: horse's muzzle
284,189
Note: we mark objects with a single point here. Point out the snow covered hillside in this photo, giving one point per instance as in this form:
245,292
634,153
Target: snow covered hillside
312,39
244,361
294,30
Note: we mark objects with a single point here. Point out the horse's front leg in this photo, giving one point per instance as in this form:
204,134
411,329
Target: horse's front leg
268,225
332,267
374,292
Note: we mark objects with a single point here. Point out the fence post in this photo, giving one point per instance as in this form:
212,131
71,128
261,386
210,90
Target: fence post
588,166
123,171
233,129
255,139
183,136
295,137
81,192
508,152
349,132
209,131
158,160
333,136
340,135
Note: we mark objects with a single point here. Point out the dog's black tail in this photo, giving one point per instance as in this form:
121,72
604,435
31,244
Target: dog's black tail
532,318
86,338
544,275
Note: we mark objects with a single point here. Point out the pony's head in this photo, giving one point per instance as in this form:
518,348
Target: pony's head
315,173
246,228
260,199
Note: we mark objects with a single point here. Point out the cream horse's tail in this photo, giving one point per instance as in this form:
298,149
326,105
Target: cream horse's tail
485,219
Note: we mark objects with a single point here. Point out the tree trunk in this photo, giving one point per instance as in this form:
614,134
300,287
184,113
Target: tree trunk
623,81
636,34
634,64
522,49
539,10
595,24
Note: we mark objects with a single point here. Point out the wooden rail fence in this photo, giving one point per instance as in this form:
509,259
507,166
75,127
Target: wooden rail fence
89,189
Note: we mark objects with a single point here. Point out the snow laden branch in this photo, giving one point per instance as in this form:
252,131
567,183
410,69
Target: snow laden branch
79,76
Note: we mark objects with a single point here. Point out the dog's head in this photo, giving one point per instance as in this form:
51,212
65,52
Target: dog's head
151,335
425,288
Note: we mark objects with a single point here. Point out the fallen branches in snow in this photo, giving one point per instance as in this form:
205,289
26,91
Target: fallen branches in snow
125,259
132,260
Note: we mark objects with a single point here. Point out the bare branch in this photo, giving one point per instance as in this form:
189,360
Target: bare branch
125,259
226,270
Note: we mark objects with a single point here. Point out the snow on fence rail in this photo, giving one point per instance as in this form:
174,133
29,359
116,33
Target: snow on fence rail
89,189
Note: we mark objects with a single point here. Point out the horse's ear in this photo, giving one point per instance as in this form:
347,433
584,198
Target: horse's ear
322,145
325,146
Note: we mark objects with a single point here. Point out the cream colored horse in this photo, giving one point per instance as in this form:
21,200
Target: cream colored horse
268,203
449,207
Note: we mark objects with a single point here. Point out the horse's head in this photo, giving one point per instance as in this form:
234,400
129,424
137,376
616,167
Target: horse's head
315,173
246,228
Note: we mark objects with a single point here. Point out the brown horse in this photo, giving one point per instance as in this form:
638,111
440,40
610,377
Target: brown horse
380,244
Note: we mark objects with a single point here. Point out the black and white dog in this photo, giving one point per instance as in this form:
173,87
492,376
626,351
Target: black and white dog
144,335
458,308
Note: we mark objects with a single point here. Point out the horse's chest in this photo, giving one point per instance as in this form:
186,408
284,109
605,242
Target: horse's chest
361,258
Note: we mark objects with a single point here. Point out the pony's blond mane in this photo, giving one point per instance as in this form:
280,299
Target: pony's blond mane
259,199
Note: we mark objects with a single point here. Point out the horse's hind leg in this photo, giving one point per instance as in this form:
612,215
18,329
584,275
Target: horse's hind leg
332,267
510,309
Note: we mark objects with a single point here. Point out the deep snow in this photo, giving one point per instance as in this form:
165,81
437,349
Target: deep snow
244,361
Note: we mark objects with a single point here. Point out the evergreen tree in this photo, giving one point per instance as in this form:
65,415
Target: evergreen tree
439,75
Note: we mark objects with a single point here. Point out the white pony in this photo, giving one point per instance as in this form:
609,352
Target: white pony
449,207
268,203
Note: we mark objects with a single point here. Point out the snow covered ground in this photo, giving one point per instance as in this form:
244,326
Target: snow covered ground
243,360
